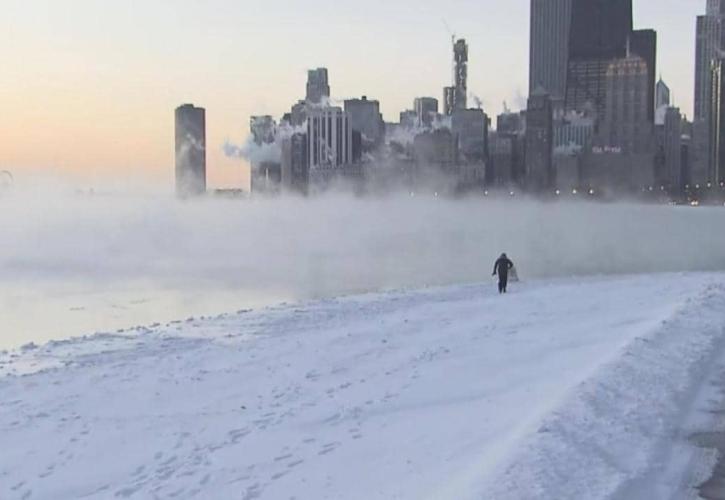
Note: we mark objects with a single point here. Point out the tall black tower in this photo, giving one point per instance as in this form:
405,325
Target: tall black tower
600,32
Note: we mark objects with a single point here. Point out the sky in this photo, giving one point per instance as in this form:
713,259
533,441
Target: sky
88,87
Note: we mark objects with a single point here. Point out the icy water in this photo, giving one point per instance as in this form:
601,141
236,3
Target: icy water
51,311
74,265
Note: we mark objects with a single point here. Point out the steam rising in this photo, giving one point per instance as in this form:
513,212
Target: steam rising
335,244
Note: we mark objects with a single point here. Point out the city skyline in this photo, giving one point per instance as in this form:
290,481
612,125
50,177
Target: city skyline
102,109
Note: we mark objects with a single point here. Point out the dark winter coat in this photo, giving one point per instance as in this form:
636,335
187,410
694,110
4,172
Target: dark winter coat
502,267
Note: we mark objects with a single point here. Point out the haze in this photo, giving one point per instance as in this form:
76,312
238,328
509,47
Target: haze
110,261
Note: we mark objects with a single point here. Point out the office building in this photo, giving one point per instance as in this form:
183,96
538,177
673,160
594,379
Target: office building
426,110
456,97
549,46
318,86
599,32
329,138
366,119
539,141
190,150
623,156
662,94
470,127
716,170
295,164
710,42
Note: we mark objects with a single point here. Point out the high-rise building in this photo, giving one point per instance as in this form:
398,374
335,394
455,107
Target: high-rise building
426,110
710,42
263,129
662,94
626,124
456,97
190,150
512,126
624,146
600,32
365,118
669,171
549,46
329,138
460,58
715,7
501,154
673,149
435,150
295,163
470,127
408,119
539,141
600,28
716,170
266,169
643,43
318,86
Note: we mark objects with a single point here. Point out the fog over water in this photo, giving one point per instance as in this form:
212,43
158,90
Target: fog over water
74,264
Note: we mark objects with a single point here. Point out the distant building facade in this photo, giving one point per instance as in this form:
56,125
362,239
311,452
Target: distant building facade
456,97
426,110
318,85
329,136
599,32
266,173
716,172
662,94
710,43
365,117
539,141
470,126
190,150
295,164
623,155
549,46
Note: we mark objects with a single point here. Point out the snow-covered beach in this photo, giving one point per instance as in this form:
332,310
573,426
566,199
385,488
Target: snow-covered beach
564,388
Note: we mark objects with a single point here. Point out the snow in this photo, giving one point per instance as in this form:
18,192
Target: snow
561,389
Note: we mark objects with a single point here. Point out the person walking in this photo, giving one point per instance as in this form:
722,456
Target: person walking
502,267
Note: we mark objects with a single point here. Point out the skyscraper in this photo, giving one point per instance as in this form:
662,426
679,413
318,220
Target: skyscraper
599,28
709,45
266,174
716,170
318,86
539,141
549,46
470,127
672,148
190,150
329,137
627,125
624,146
600,32
643,43
662,94
365,117
456,97
426,109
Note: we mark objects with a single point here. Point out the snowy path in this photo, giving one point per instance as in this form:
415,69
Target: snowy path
561,389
